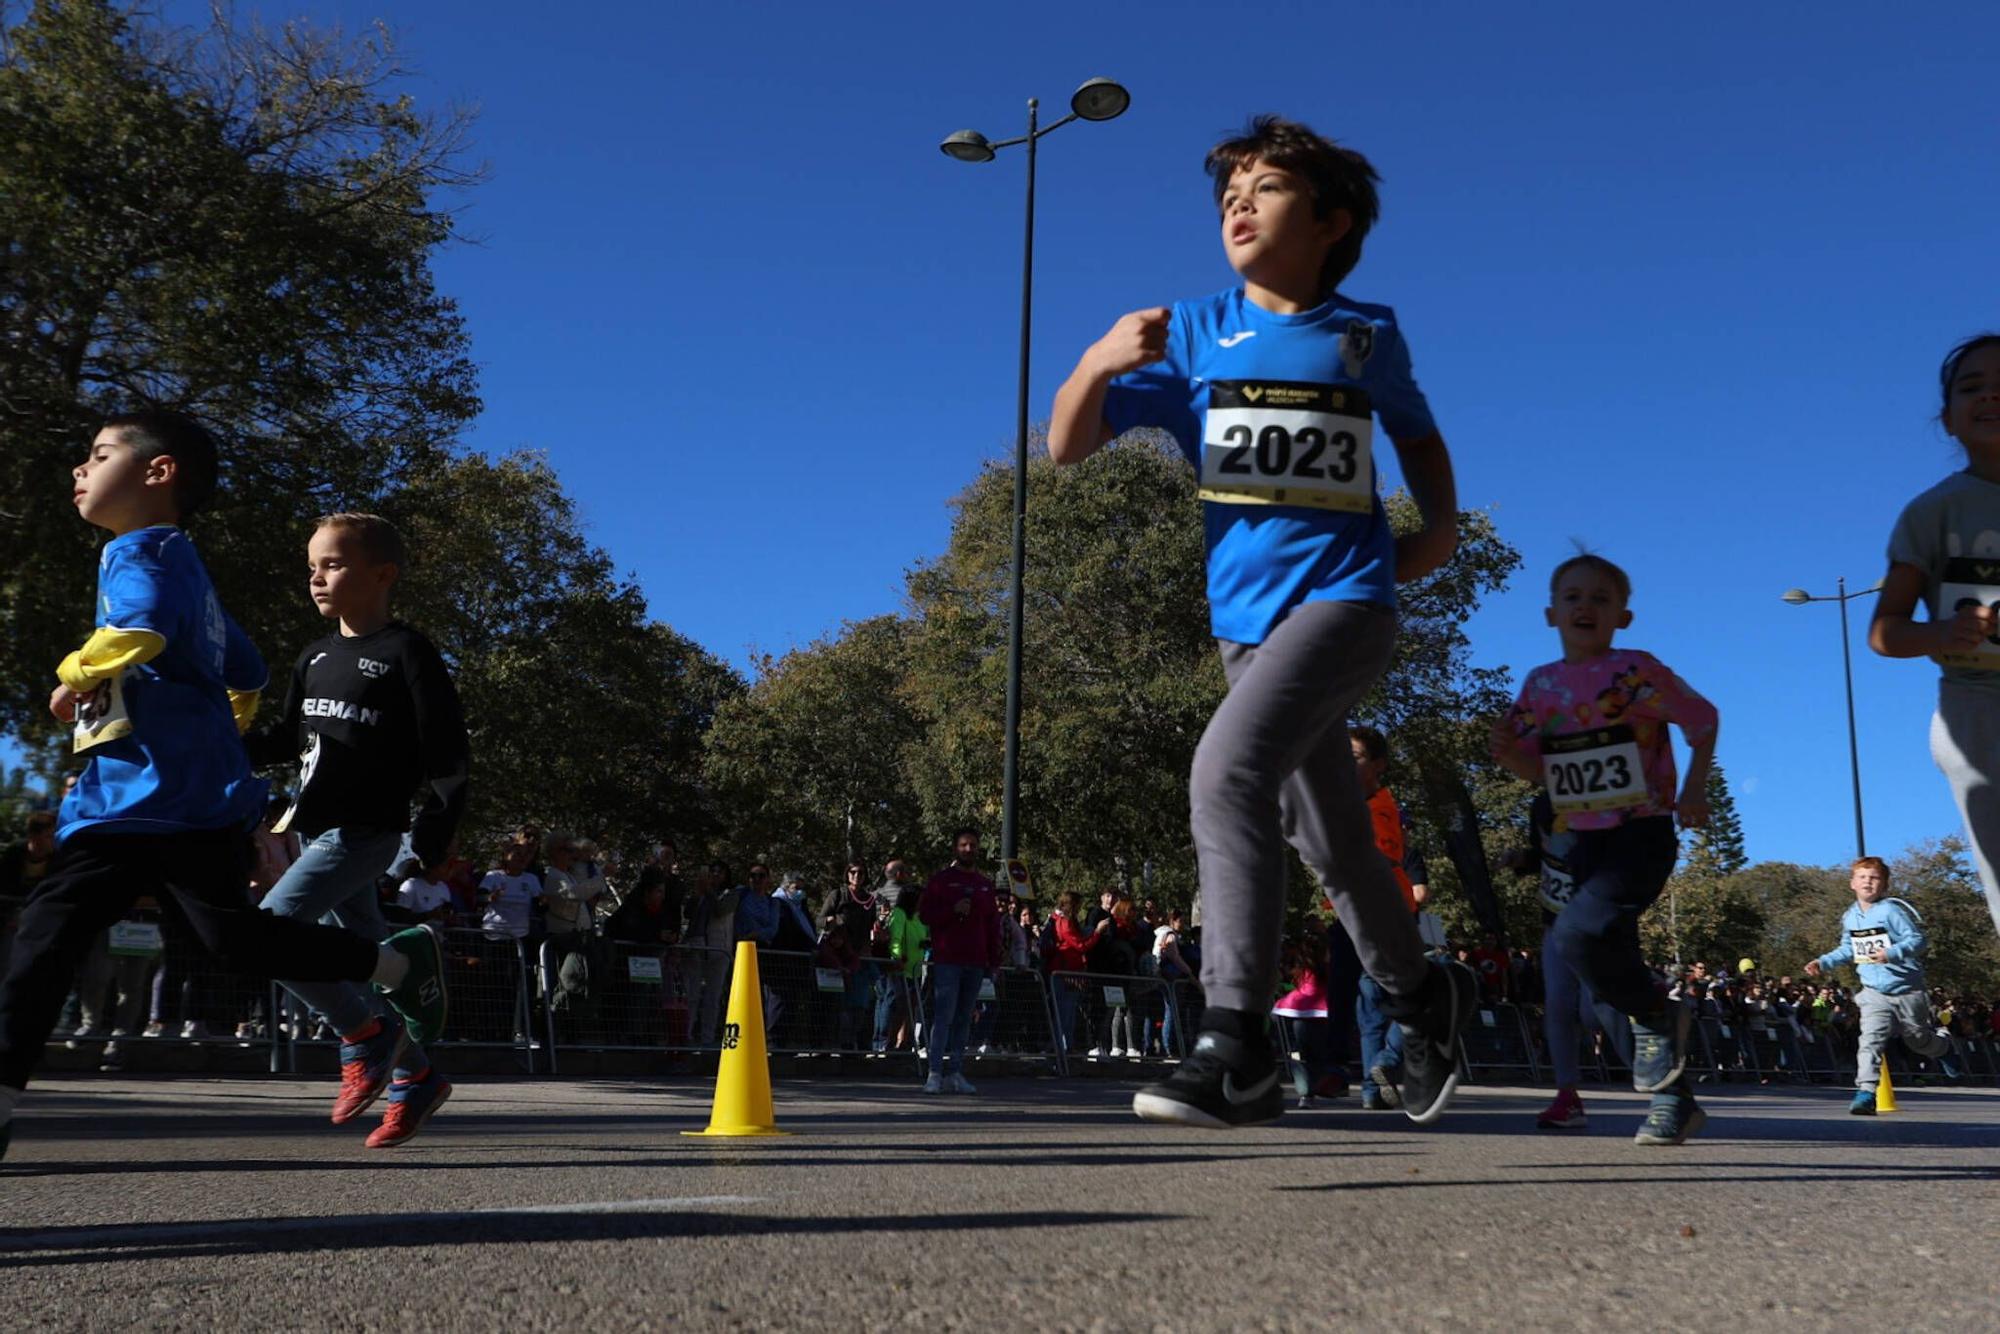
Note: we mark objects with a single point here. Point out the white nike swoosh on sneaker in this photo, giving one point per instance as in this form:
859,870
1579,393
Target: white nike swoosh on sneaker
1251,1094
1235,338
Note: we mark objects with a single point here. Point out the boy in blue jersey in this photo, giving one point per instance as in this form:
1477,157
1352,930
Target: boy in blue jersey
166,800
1272,389
1884,939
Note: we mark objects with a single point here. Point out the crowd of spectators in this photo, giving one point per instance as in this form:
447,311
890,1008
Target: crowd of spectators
553,919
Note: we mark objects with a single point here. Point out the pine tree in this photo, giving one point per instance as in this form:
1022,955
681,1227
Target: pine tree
1717,851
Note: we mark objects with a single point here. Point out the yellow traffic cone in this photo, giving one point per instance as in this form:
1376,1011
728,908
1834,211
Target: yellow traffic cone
1885,1092
743,1080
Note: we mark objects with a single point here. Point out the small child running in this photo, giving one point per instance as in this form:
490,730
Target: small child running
1945,551
1271,389
166,801
372,717
1592,729
1884,939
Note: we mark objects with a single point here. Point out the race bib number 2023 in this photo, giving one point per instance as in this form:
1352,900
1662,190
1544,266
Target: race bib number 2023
1284,442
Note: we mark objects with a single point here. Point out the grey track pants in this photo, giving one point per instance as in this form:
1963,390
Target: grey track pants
1884,1017
1965,742
1276,766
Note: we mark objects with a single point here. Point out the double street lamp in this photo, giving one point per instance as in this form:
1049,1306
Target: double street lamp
1798,597
1099,99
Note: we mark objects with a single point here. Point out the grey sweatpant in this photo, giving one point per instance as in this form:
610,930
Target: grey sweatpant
1276,766
1884,1017
1965,742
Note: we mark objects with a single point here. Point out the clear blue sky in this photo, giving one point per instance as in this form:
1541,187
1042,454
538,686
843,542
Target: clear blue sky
1677,281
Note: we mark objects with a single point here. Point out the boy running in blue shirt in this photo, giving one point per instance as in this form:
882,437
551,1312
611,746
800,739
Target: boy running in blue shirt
372,717
1272,389
1884,939
166,801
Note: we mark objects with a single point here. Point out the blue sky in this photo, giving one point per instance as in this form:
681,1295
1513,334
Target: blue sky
1677,281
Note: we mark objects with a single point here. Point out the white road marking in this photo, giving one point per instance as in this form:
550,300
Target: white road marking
87,1237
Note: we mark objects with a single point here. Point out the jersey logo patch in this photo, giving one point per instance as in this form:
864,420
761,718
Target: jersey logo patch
1235,338
372,669
1356,346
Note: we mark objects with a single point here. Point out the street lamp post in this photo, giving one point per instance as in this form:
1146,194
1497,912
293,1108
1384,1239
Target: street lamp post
1798,597
1098,99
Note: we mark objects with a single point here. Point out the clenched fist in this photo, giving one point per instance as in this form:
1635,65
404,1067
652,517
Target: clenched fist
1138,339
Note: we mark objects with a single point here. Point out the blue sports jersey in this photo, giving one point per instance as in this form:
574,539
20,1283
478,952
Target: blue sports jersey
182,765
1274,412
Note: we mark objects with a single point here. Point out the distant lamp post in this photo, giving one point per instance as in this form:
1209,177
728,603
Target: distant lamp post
1099,99
1798,597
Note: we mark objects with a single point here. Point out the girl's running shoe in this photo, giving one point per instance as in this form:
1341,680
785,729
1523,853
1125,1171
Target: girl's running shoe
411,1104
1565,1113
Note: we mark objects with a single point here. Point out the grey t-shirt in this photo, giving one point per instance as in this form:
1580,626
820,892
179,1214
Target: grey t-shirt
1952,533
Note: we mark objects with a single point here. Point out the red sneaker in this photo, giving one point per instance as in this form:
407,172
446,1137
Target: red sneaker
1565,1113
411,1104
365,1068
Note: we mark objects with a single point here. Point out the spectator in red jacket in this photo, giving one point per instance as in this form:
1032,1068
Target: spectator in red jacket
1066,948
963,913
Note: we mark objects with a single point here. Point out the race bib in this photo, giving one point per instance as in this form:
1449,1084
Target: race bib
101,716
1968,581
1869,943
1558,885
1283,442
136,940
1597,770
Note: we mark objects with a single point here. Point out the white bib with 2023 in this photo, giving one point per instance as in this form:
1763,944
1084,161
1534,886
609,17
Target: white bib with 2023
101,716
1287,442
1968,580
1598,770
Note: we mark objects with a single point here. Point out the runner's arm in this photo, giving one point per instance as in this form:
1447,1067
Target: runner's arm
1894,631
1427,472
1077,428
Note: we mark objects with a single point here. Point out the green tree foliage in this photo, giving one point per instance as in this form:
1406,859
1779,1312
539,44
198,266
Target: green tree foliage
1121,674
1717,850
811,763
234,222
584,714
1938,879
1717,919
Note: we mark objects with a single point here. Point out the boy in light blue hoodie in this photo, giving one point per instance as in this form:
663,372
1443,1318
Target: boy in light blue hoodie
1884,939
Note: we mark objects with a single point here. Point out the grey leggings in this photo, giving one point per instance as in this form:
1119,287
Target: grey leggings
1965,742
1275,766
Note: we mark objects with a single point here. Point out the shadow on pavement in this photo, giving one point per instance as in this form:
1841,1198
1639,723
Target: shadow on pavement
33,1248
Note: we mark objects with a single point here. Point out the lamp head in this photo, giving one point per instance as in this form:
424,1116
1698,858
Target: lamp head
1798,597
1100,99
968,146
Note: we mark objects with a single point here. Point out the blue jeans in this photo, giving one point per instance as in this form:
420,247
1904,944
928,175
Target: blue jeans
333,881
1065,995
955,987
1381,1041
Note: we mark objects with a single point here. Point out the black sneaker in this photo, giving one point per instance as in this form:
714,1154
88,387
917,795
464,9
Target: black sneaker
1672,1119
1225,1082
1659,1048
1430,1045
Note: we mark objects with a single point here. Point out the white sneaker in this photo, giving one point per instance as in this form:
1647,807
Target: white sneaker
156,1029
194,1029
935,1084
960,1084
1095,1051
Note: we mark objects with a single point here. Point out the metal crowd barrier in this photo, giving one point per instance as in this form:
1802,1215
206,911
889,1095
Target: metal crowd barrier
610,995
1498,1039
1098,1013
1012,1017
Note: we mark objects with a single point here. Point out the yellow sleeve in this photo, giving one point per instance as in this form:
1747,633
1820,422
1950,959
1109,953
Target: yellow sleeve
243,704
106,653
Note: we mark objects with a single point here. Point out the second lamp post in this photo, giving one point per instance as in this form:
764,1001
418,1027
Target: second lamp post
1099,99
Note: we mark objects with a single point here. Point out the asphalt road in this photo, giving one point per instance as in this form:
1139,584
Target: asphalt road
230,1203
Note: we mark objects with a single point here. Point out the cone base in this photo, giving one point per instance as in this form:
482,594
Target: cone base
736,1132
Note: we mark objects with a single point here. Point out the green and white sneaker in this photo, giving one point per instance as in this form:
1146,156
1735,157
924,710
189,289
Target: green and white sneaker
421,998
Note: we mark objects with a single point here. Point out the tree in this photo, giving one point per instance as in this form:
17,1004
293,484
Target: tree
1120,671
237,223
583,712
1717,850
811,763
1717,919
1939,882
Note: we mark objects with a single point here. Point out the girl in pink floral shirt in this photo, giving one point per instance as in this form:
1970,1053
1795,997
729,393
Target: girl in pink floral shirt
1592,730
